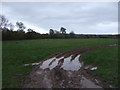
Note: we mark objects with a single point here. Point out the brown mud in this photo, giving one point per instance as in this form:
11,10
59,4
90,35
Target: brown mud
65,70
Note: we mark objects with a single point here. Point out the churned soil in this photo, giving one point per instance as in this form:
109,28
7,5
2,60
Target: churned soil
65,70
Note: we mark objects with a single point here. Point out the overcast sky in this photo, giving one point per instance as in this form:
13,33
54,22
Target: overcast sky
80,17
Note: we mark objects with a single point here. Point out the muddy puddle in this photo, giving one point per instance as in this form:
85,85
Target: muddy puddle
64,70
67,63
61,73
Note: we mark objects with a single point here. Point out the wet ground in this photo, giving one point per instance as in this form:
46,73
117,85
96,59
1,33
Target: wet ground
65,70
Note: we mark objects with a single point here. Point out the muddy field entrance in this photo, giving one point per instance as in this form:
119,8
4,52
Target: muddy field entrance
65,70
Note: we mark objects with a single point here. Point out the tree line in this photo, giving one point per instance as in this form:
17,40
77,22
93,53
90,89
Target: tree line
8,32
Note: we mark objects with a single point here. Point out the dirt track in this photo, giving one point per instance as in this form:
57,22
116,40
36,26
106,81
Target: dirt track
65,70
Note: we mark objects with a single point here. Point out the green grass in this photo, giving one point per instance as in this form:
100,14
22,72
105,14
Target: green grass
106,59
17,53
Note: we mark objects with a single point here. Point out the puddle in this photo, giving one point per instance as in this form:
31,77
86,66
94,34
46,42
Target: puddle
51,63
55,63
113,45
73,65
46,63
86,83
33,64
94,68
26,64
67,64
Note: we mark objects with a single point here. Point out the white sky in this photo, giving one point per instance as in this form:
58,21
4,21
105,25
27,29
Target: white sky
80,17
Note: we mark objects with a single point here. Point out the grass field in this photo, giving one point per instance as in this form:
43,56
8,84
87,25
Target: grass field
106,59
17,53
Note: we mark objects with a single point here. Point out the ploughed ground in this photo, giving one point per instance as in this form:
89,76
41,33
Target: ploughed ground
65,70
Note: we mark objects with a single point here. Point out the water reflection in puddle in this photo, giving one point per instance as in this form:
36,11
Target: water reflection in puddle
55,63
86,83
73,65
46,63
